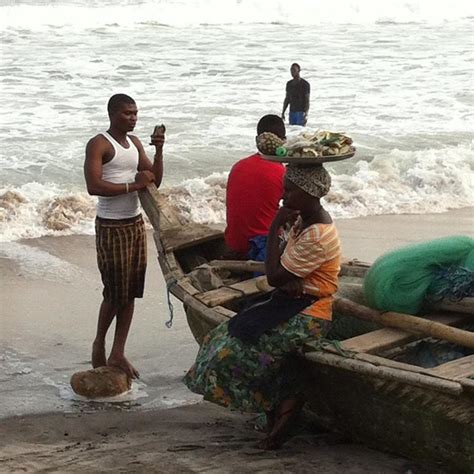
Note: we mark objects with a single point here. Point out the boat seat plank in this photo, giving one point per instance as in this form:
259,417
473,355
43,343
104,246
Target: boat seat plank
226,294
226,312
388,338
188,236
188,286
456,369
378,340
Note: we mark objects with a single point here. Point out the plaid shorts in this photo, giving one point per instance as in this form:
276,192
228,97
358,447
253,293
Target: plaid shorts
121,257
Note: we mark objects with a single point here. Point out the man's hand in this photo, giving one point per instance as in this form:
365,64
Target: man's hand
158,141
283,116
144,178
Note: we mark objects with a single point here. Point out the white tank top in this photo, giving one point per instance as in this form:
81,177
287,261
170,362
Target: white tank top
122,168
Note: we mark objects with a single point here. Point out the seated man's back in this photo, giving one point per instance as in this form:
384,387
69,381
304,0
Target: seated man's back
254,190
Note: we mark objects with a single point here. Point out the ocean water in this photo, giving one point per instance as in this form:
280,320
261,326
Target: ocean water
396,76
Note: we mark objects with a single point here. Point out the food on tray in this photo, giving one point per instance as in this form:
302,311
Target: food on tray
321,143
268,142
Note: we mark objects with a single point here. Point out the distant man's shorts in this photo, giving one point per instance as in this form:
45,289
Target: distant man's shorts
121,257
297,118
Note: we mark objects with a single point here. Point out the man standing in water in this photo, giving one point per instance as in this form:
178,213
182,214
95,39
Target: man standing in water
116,167
297,96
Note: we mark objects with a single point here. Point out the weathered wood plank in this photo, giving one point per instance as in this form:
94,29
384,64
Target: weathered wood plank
178,238
226,294
387,373
456,369
224,311
379,340
161,213
187,286
348,268
467,384
406,322
354,268
239,265
388,338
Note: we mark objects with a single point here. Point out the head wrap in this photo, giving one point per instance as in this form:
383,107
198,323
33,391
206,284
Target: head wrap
314,180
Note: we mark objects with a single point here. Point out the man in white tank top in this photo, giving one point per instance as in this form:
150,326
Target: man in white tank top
116,167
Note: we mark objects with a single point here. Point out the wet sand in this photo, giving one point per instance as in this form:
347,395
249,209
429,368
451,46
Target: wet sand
50,293
198,438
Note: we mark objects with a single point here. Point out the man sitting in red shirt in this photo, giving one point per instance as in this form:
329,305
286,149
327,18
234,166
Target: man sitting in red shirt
254,190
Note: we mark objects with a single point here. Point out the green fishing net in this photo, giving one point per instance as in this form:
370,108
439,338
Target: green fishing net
401,280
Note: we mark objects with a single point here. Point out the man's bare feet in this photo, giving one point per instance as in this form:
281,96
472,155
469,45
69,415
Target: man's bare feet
124,364
98,354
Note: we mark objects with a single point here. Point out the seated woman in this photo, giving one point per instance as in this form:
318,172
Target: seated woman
247,363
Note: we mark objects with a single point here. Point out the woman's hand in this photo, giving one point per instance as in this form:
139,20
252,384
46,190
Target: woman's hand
285,216
294,288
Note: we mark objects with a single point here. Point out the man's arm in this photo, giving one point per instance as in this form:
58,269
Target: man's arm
285,103
144,163
97,149
306,104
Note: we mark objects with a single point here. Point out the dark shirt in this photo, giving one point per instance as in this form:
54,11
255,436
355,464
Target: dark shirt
296,91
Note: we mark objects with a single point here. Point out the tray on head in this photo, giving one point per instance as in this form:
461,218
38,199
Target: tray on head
308,160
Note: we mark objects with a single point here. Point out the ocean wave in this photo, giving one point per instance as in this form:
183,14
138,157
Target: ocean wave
35,210
86,14
396,182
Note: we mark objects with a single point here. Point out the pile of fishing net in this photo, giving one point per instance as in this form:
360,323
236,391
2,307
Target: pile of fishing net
403,279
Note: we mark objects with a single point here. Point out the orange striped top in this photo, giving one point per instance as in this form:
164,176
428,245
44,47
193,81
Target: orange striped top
314,254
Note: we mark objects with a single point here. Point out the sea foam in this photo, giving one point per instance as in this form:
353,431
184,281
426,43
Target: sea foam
84,14
395,182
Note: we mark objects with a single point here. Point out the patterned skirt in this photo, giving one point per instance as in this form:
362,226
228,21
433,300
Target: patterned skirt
253,377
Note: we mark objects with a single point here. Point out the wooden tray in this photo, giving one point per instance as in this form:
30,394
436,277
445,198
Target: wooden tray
308,160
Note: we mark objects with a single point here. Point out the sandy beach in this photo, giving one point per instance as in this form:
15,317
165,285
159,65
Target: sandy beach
50,292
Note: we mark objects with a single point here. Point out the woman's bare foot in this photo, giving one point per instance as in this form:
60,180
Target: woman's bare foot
286,414
265,425
124,364
270,442
98,354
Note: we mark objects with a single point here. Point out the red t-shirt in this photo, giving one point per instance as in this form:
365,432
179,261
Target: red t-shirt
254,190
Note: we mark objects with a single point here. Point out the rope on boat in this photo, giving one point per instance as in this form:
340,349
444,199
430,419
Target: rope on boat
338,346
322,344
169,323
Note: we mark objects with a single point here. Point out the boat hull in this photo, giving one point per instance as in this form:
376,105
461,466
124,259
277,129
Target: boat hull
416,422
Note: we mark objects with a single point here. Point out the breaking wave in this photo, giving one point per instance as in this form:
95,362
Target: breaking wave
410,182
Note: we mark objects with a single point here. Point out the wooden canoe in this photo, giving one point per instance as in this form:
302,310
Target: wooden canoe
363,386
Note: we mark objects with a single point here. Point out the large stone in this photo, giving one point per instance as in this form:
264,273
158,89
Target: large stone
101,382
